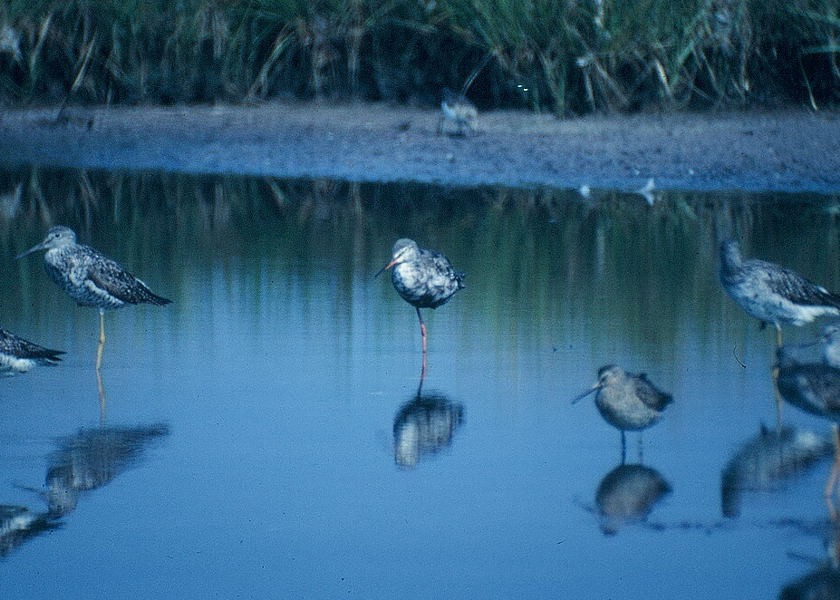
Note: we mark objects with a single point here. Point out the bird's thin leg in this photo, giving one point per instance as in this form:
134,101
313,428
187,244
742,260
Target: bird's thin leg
422,329
102,405
778,336
101,347
835,468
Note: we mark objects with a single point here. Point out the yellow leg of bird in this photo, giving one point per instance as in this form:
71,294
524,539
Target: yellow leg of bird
102,405
101,347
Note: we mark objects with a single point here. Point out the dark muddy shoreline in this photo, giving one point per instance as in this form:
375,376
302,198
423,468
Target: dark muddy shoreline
786,151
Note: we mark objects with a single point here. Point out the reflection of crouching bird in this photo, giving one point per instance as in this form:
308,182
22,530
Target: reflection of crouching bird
459,110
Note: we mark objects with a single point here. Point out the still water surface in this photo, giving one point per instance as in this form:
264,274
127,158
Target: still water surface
264,436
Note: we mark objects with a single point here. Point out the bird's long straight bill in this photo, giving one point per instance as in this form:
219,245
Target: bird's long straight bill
30,251
385,268
585,393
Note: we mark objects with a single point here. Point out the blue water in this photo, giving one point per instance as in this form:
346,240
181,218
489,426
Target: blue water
259,437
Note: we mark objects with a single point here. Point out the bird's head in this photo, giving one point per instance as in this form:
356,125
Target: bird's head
56,237
403,250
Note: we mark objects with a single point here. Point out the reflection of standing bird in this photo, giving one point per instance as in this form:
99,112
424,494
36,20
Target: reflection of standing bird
627,401
18,355
772,293
627,494
766,460
425,426
424,278
91,278
456,108
815,388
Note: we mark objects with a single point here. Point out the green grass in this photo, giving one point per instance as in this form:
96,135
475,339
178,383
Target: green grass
559,55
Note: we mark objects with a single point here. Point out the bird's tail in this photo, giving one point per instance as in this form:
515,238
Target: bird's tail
46,356
459,277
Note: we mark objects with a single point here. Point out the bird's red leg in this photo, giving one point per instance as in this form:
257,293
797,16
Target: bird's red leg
422,330
423,337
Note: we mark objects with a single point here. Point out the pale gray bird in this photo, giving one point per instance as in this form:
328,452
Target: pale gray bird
772,293
424,278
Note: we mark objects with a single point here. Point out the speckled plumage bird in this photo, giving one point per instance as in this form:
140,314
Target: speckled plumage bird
627,401
772,293
18,355
424,278
91,278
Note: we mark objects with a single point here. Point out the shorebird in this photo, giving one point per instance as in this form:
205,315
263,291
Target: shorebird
90,278
815,389
456,108
627,401
772,293
424,278
18,355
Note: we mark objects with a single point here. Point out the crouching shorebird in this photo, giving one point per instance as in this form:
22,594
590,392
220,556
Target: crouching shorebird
91,278
626,401
18,355
424,278
459,110
772,293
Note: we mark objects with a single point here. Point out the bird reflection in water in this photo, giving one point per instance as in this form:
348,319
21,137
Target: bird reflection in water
766,460
815,389
83,462
92,458
424,426
824,581
18,525
627,495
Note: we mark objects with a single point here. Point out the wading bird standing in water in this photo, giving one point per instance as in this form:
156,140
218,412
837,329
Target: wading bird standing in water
90,278
424,278
18,355
772,293
627,401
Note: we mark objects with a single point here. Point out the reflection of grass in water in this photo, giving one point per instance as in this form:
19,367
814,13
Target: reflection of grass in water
561,56
537,262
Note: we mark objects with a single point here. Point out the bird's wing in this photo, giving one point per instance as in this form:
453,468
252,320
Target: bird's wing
650,395
9,342
795,287
106,275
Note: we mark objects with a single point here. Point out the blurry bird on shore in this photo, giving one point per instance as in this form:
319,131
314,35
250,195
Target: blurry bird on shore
90,278
772,293
18,355
424,278
627,401
460,111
